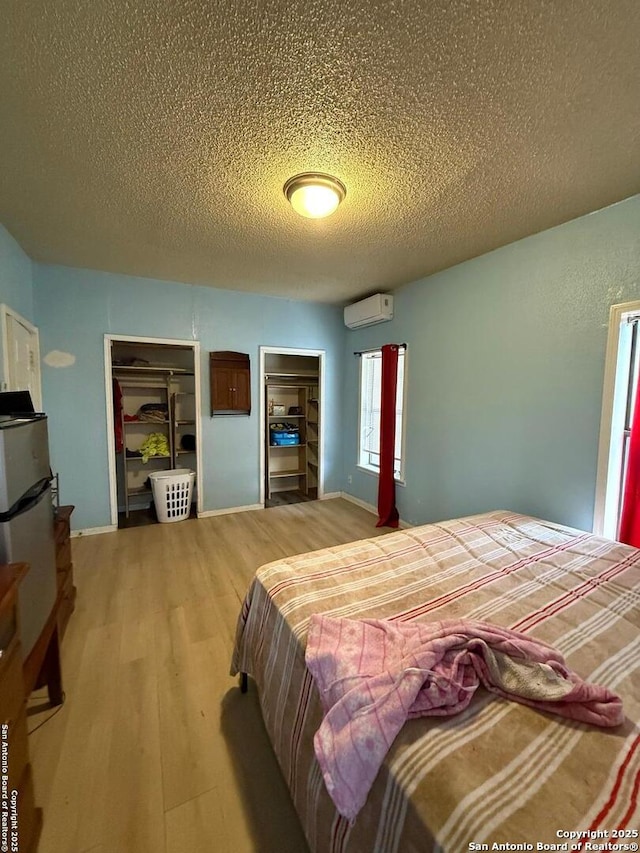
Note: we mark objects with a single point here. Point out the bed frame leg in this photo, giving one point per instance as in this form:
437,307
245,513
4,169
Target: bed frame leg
244,684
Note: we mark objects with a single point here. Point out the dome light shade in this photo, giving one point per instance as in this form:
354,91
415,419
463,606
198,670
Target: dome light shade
314,194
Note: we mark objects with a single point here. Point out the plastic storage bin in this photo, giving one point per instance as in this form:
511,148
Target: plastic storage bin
281,438
172,491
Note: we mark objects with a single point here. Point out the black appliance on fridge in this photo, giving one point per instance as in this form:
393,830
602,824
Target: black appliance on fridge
26,514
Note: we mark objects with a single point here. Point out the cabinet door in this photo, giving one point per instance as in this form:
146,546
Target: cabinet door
242,391
222,383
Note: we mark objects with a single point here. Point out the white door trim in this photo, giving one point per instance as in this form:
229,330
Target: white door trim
320,354
111,447
5,312
617,314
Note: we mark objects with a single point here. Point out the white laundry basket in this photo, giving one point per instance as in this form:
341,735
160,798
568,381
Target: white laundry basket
172,491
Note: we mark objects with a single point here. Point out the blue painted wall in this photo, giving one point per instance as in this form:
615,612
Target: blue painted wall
74,310
505,371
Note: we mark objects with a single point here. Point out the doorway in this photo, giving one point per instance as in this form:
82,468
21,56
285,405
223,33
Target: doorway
622,369
152,388
291,425
21,355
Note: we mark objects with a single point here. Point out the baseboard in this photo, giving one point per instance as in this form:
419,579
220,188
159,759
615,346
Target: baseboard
207,513
94,531
211,512
363,504
370,508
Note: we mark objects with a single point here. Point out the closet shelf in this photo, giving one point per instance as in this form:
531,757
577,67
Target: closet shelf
140,386
285,446
297,374
128,370
149,459
295,473
289,386
145,423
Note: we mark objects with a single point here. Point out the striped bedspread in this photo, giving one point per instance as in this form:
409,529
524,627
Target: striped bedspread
499,773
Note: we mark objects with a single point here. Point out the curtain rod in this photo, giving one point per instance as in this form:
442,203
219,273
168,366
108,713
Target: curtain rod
375,349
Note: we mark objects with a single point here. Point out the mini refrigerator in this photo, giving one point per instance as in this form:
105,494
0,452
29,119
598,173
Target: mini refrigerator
26,519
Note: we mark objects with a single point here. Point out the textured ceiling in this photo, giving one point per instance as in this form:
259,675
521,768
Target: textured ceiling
154,137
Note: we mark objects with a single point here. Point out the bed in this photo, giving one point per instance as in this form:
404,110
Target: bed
499,773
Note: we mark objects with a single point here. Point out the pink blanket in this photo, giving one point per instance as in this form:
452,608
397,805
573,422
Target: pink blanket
372,675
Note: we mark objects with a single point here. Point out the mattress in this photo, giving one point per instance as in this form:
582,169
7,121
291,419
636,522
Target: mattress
499,773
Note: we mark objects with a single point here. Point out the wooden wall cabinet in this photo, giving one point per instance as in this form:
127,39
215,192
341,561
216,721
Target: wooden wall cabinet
230,375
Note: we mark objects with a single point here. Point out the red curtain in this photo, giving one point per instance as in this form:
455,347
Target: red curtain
630,518
387,512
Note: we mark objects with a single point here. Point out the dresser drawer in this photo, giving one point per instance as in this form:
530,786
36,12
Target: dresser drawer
64,612
63,556
12,695
8,630
65,586
61,529
64,578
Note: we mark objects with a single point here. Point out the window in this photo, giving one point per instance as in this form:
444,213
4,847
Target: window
370,392
621,380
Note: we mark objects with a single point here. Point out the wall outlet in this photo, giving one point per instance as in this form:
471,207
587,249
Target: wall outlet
349,479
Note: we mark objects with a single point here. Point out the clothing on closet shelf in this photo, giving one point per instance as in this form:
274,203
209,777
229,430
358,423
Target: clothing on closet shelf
155,444
129,362
153,413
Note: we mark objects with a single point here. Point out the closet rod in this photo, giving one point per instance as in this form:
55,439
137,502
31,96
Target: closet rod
375,349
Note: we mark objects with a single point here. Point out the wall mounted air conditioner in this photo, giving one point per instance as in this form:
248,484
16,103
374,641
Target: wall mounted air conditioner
375,309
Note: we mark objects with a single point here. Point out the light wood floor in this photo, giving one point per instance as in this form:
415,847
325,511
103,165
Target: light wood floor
155,750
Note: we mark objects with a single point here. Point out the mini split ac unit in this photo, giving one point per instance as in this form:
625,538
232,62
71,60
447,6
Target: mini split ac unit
375,309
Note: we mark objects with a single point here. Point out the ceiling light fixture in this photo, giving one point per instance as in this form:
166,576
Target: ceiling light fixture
314,194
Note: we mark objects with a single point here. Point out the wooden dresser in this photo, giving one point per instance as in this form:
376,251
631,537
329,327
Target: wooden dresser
20,820
64,567
42,665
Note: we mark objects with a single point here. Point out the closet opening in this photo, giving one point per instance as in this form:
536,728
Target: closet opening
291,401
153,406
